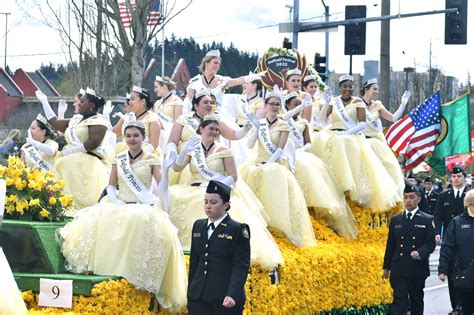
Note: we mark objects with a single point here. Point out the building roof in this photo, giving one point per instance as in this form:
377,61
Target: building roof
9,85
42,83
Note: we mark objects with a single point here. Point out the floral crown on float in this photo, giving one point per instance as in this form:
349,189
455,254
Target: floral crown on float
292,72
140,90
42,119
346,77
202,92
309,77
93,93
133,122
213,53
369,82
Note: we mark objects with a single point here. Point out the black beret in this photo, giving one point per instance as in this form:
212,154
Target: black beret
428,179
410,175
458,169
411,188
215,187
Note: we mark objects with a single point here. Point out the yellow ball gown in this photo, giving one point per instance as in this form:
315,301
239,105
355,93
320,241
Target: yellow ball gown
85,176
135,241
378,143
353,163
50,159
187,206
321,190
165,113
11,301
278,190
254,104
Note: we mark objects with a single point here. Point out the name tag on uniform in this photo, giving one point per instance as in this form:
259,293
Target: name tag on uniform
225,236
398,226
420,226
465,226
446,204
196,234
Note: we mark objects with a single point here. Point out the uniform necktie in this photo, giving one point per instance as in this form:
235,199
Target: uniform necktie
458,195
409,214
211,226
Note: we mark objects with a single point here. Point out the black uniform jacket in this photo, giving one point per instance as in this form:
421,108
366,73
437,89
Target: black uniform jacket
218,267
447,207
458,244
431,199
405,236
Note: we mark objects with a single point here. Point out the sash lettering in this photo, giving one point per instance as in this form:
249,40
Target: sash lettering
341,112
190,122
375,124
34,156
199,161
295,133
132,180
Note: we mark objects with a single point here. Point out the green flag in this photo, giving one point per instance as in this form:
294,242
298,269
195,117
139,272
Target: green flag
455,136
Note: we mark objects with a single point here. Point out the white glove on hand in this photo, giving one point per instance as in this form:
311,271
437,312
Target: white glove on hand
48,111
405,97
62,108
190,146
169,159
188,105
29,138
254,76
275,156
255,122
229,181
118,114
74,149
327,95
108,108
305,104
112,193
39,145
356,129
304,148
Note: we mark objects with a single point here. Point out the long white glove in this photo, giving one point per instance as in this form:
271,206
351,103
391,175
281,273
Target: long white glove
254,135
304,148
118,114
171,147
254,76
188,105
48,111
275,156
163,186
62,108
189,146
356,129
228,180
112,193
242,132
39,145
327,100
305,104
108,108
405,97
74,149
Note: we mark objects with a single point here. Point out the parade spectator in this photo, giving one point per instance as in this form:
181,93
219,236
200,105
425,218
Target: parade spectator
220,257
8,145
457,252
449,205
409,245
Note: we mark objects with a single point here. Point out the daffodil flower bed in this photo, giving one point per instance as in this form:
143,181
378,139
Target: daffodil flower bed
338,276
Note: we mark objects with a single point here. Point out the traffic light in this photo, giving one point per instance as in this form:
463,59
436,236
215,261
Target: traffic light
321,69
455,24
354,34
286,43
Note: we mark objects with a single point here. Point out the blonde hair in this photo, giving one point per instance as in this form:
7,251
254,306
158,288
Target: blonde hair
469,198
13,134
205,60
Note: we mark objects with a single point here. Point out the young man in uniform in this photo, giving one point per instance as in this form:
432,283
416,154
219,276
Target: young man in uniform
219,259
430,194
409,245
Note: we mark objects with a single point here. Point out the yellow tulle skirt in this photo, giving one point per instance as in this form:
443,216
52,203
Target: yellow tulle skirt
135,241
187,206
282,199
85,177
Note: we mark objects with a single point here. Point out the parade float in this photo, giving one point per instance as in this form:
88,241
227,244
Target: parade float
337,276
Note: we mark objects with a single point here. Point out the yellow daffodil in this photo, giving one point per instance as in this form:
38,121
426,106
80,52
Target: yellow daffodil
34,202
44,213
52,201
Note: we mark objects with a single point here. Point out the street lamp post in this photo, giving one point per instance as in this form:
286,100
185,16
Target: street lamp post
407,70
6,33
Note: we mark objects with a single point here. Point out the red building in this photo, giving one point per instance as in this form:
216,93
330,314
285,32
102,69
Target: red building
10,95
29,82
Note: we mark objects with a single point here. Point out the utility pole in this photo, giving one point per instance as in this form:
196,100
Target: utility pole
6,33
430,75
163,51
326,48
385,55
296,17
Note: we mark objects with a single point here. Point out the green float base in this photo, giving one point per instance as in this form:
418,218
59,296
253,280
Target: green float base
81,284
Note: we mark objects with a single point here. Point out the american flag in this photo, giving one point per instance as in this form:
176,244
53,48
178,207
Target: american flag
415,134
126,16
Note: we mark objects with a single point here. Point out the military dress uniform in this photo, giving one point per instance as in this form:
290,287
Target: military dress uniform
432,199
407,275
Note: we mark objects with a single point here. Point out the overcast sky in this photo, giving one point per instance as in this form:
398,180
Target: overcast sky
239,21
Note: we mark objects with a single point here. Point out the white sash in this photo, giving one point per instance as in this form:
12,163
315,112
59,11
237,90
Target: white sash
341,112
132,180
71,130
295,133
190,122
167,119
245,109
199,161
264,136
375,124
34,156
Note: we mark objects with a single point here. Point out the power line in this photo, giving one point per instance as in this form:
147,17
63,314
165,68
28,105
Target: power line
32,55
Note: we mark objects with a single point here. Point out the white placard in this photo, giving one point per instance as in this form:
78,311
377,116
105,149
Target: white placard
55,293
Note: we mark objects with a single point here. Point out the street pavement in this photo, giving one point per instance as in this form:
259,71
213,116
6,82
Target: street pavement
436,292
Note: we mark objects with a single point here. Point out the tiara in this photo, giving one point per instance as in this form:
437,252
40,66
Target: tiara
42,119
211,117
291,95
309,78
127,96
346,77
140,90
133,121
82,91
371,81
213,53
272,94
293,72
92,92
163,79
202,92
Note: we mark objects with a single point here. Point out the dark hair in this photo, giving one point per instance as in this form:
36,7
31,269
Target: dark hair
365,87
340,83
288,101
258,83
98,101
196,101
49,132
144,95
206,123
142,130
307,82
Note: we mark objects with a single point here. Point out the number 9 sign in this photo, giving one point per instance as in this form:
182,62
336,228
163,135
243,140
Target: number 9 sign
55,293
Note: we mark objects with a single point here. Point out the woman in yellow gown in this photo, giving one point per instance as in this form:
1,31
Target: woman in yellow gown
293,84
140,106
267,174
128,235
349,156
311,87
319,186
374,131
208,159
84,163
40,149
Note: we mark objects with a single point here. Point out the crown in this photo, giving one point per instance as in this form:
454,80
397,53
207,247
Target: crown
92,92
293,72
371,81
273,94
202,92
82,91
127,96
42,119
290,95
140,90
309,77
211,117
213,53
346,77
166,80
133,121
